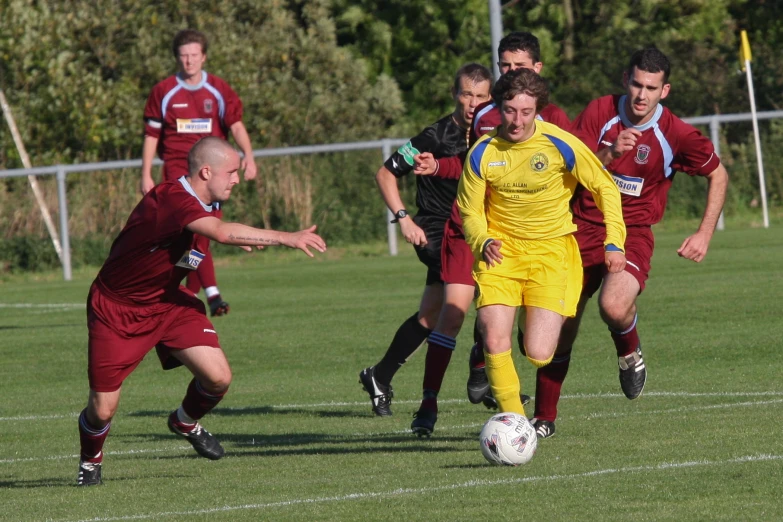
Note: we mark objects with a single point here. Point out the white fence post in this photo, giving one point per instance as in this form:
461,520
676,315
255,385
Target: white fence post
715,137
62,200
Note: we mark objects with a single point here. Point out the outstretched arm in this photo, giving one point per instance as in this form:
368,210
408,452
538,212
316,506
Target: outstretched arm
242,235
695,247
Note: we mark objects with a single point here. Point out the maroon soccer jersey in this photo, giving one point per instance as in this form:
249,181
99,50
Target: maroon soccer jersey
487,116
155,251
644,174
179,115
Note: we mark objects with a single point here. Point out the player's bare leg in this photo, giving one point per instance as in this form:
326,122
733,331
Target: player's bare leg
376,380
440,346
211,379
617,305
94,425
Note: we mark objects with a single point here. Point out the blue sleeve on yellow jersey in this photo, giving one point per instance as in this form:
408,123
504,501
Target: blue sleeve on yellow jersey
565,149
475,156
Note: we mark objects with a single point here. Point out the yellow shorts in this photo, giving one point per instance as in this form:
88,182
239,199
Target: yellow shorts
545,273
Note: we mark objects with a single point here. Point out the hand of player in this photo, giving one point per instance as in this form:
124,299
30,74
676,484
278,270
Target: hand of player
146,185
615,262
250,249
304,240
695,247
625,141
412,233
491,254
249,166
424,164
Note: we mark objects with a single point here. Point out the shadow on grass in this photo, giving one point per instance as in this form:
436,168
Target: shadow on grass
39,326
258,410
38,483
249,445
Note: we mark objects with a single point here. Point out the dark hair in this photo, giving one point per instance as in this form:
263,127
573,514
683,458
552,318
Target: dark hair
475,72
189,36
521,41
650,60
521,81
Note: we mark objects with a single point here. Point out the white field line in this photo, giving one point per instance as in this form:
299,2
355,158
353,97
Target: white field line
686,409
356,404
667,466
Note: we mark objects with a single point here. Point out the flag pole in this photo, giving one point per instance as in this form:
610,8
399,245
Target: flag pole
745,59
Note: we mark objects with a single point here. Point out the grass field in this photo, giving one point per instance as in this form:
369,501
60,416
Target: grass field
704,442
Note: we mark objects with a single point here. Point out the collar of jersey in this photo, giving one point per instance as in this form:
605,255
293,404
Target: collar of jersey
196,87
186,185
641,128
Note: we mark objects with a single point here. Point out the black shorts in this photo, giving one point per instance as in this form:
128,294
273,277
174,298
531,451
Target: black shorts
429,254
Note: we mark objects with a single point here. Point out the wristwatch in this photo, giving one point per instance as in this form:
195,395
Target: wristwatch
399,215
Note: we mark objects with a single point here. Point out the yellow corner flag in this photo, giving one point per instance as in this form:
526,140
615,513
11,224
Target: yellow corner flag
744,52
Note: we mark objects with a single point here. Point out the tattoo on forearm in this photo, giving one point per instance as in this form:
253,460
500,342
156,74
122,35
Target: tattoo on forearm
248,240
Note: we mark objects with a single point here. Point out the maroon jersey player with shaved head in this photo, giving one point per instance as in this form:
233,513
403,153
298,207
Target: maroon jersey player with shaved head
136,302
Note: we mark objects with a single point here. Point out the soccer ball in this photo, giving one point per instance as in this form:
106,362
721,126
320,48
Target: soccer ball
508,439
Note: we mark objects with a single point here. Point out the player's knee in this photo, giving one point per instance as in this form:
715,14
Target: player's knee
100,414
218,382
613,311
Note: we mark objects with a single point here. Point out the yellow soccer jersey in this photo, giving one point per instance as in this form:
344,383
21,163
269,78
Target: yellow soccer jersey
522,190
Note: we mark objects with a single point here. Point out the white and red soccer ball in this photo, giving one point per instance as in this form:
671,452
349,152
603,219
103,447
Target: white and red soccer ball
508,439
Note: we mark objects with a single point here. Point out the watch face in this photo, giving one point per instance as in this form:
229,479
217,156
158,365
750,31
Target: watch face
401,214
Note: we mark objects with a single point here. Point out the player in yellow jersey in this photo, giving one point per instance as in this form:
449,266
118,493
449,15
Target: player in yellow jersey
514,200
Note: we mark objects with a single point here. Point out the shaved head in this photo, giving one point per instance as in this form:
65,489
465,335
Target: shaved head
212,151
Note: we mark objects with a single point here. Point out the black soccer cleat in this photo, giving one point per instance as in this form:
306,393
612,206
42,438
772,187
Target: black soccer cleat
478,384
89,474
380,396
544,428
202,441
218,307
633,373
424,422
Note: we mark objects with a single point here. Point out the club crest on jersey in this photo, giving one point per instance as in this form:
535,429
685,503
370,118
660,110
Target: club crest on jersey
191,259
207,105
539,162
642,154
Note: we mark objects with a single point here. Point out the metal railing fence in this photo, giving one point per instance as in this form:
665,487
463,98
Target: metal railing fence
385,146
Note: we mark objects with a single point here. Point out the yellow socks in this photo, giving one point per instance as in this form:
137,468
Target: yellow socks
504,381
540,364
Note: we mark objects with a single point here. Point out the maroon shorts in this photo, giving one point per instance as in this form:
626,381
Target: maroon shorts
121,335
639,245
456,258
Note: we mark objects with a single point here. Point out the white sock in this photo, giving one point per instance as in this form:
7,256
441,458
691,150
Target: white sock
183,417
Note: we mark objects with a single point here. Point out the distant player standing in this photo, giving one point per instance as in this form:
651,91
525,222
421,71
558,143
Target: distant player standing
434,197
181,110
136,301
518,50
514,200
643,145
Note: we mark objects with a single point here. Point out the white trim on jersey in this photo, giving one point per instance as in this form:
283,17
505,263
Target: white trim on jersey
482,112
668,155
641,128
166,99
221,101
186,185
